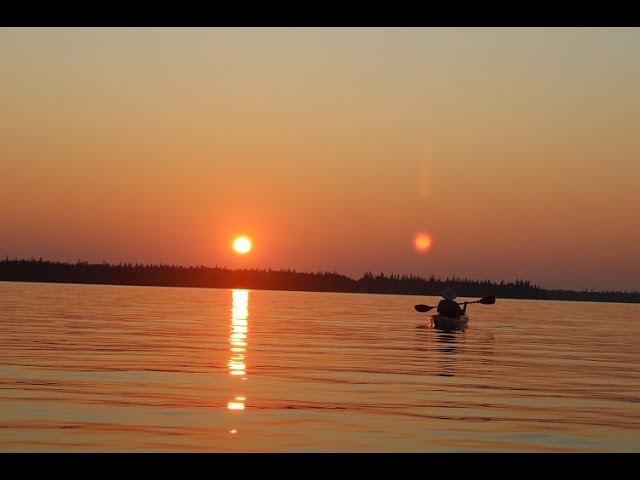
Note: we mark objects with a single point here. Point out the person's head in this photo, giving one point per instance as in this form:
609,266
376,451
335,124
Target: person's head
449,294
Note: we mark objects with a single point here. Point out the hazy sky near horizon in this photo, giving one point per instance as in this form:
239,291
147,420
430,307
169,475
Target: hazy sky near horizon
516,149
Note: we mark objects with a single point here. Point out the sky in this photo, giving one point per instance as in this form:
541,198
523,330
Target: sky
517,150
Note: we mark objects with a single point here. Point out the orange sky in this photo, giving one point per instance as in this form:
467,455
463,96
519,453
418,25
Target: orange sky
516,149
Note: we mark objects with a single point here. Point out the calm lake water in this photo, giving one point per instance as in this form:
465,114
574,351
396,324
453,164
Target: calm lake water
92,368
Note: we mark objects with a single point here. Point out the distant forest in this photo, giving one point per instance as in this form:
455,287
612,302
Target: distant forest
267,279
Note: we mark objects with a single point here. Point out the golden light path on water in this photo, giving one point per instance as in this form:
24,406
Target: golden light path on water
238,342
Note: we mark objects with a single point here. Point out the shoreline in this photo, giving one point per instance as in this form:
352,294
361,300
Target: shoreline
41,271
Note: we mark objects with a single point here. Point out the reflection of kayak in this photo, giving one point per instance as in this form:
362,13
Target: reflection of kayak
449,323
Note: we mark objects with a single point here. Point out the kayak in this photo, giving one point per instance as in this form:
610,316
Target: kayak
449,323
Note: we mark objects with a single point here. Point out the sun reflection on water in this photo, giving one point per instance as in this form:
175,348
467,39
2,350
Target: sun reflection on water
238,342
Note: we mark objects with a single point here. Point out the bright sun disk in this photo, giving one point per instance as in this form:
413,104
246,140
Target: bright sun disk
242,245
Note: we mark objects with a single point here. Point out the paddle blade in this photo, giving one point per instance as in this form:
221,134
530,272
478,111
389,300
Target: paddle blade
488,300
423,308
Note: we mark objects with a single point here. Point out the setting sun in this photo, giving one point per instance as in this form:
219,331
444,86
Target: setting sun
242,245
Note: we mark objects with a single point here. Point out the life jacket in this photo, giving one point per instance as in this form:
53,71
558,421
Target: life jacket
449,308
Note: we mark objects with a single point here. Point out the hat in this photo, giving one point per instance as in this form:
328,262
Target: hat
448,294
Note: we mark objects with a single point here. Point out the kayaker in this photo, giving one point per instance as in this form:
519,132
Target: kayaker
448,307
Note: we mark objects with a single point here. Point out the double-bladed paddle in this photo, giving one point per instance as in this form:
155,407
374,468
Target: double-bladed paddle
484,300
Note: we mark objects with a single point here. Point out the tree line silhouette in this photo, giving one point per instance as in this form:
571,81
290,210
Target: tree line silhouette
286,279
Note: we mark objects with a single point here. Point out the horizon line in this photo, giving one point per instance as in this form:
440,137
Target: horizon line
454,278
